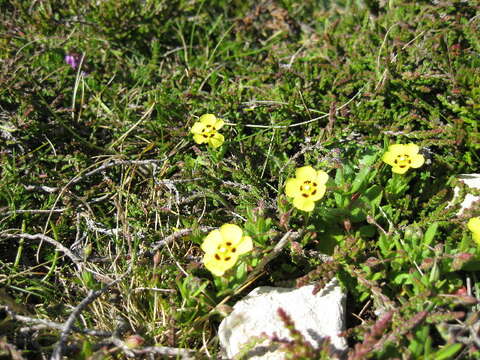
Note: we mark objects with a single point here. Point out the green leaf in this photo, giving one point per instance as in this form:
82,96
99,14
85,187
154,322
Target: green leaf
339,177
402,278
373,195
369,160
357,215
339,199
199,289
360,179
430,234
447,352
89,280
86,351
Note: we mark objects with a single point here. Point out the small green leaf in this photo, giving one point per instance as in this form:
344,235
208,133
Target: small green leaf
447,352
374,195
339,177
430,234
402,278
360,179
89,280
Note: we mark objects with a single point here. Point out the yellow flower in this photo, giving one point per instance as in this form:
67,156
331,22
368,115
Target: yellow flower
205,130
307,187
402,157
223,246
474,226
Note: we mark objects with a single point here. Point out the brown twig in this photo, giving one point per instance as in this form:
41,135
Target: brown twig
75,259
176,235
48,189
184,354
110,337
33,211
68,325
53,324
113,163
289,235
166,351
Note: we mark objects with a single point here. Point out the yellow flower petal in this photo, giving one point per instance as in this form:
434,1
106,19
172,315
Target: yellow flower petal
304,204
218,267
411,149
292,187
211,241
397,149
199,139
319,194
399,170
223,246
476,237
322,177
307,187
219,124
305,173
245,245
197,128
389,158
417,161
474,224
216,141
208,119
231,232
403,157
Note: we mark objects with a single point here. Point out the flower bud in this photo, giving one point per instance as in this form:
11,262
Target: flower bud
134,341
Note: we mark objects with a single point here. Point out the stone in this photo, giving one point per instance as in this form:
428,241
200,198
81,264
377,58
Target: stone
472,181
315,316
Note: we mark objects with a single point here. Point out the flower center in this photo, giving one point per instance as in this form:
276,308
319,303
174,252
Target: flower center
308,188
403,160
224,251
209,131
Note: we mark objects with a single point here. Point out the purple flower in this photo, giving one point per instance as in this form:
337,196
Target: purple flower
73,59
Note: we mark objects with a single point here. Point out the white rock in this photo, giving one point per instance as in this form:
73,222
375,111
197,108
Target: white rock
315,316
472,181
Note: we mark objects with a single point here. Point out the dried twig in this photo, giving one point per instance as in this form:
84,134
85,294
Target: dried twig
307,121
289,235
113,163
166,351
173,237
68,325
48,189
75,259
184,354
110,337
53,324
33,211
97,227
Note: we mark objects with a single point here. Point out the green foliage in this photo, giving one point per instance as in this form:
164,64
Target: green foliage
100,160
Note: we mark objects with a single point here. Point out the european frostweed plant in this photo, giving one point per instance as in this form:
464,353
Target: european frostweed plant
474,226
223,246
205,130
403,157
307,187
